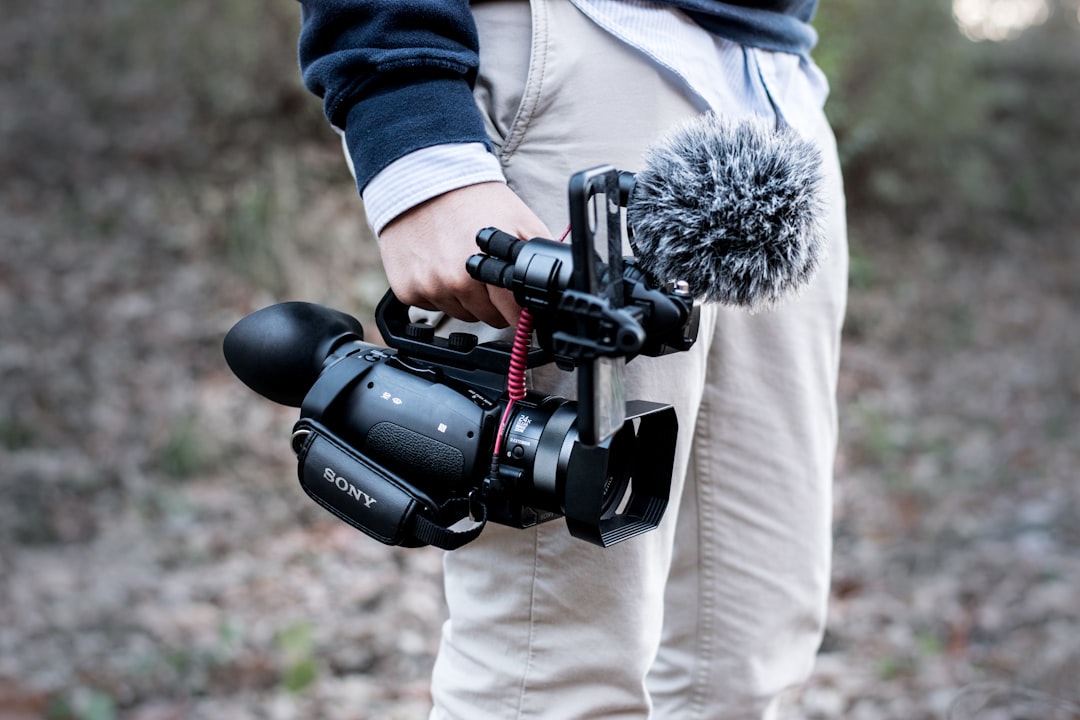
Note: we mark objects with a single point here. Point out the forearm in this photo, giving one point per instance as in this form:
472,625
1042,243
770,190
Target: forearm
396,78
395,75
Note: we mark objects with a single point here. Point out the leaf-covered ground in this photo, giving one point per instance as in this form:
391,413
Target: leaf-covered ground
159,560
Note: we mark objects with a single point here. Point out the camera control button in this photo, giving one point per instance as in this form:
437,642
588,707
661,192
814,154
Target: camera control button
421,332
462,341
517,452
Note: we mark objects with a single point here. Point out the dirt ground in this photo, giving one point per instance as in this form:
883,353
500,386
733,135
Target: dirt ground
160,562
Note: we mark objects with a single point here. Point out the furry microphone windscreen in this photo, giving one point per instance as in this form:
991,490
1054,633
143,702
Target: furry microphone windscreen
730,207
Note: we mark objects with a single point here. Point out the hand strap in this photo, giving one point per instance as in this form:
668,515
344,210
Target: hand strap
372,499
430,533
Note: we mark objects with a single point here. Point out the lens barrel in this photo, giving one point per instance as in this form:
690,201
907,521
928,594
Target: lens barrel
608,492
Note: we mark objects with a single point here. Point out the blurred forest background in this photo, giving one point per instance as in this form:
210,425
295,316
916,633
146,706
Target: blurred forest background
164,173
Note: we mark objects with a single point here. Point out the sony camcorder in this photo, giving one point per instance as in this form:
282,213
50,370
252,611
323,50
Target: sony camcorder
421,443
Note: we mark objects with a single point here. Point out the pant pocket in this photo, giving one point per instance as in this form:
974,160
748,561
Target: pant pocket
513,51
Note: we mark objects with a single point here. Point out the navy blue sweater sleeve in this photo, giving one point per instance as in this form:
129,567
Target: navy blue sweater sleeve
395,75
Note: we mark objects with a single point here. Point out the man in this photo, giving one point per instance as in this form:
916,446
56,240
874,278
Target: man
460,117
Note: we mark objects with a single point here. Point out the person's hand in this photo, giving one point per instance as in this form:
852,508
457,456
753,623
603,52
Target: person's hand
424,251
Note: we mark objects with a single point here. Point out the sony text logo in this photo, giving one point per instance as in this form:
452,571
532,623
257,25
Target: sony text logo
348,488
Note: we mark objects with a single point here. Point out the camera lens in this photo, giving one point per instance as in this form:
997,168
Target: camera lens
545,439
617,482
538,442
607,492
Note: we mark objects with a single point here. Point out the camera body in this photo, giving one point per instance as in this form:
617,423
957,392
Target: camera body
419,443
401,449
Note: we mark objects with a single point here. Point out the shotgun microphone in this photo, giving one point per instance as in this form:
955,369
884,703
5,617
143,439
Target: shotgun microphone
732,208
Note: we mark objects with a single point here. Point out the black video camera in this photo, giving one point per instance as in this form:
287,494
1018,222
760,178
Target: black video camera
411,442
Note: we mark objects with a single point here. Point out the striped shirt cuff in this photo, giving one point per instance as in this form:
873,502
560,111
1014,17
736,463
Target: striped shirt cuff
424,174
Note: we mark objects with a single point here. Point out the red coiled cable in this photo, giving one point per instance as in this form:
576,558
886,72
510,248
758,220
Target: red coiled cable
519,357
515,377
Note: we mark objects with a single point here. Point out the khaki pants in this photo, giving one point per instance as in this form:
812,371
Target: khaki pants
719,610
